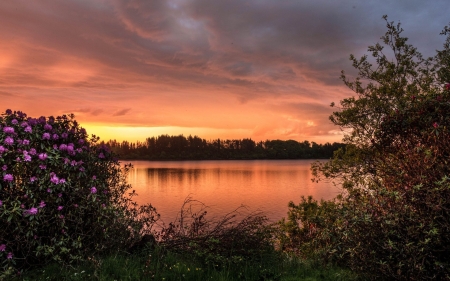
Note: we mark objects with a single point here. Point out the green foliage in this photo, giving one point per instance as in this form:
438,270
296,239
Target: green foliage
392,220
63,197
160,264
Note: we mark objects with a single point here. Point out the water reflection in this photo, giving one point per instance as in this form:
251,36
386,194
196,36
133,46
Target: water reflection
266,185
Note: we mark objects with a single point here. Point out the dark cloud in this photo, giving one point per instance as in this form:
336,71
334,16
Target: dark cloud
121,112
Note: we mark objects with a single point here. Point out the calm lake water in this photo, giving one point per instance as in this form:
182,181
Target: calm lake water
261,185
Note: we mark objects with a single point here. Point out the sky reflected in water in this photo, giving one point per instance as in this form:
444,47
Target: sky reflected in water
261,185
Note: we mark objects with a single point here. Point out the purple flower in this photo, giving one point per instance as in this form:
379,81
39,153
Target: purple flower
2,247
81,169
49,190
8,177
2,149
1,203
4,168
26,142
54,179
60,208
93,190
32,151
73,163
63,147
60,195
42,204
70,147
66,161
62,181
43,156
64,135
27,158
47,127
101,155
23,124
14,122
8,130
75,205
9,140
46,136
55,136
8,111
28,129
43,167
55,147
33,211
94,177
61,216
81,141
32,179
9,256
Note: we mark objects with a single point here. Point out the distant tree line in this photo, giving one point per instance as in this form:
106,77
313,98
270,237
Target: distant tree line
165,147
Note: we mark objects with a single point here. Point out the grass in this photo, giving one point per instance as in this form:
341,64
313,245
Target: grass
157,264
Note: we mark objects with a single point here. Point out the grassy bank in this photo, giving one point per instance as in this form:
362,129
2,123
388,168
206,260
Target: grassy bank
157,264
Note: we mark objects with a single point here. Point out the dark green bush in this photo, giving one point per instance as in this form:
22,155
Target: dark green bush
392,221
62,196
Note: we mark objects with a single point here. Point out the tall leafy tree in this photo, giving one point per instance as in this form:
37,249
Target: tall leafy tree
394,214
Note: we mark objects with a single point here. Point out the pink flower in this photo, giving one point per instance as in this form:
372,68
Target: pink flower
8,177
54,179
93,190
46,136
9,256
33,211
9,140
32,179
2,247
8,130
43,156
435,124
28,129
42,204
60,208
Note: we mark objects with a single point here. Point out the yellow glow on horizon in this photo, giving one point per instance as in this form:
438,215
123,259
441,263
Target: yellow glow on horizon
132,134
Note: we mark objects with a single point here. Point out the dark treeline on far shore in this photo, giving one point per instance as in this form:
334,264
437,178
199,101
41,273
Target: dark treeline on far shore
179,147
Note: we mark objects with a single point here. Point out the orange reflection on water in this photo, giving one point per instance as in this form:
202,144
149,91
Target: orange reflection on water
261,185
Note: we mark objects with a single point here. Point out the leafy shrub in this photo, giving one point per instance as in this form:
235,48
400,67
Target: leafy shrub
392,220
62,196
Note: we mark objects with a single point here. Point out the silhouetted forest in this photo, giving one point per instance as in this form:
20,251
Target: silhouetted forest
179,147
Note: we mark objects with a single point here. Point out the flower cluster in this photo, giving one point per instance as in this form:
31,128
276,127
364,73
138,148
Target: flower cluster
57,184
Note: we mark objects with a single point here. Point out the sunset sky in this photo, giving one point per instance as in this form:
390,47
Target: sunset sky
264,69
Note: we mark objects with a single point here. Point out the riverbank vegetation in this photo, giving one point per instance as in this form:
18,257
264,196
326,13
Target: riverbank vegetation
165,147
67,212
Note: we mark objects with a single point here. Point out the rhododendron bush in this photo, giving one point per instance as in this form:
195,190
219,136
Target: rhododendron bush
62,195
